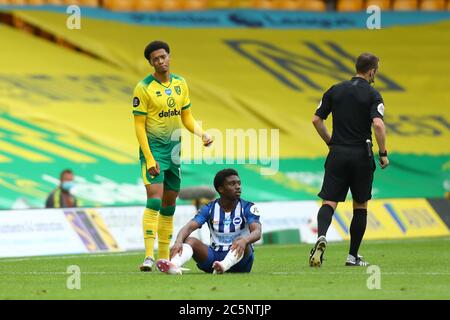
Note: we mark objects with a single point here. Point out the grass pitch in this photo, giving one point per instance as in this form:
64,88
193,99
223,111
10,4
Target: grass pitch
410,269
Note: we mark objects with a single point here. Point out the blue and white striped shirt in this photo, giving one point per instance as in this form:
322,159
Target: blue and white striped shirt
224,227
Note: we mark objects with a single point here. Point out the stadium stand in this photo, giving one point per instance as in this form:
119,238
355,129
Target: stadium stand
304,5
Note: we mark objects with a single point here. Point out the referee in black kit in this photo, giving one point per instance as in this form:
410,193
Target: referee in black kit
355,106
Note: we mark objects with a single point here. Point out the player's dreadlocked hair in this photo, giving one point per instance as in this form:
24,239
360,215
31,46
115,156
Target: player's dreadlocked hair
153,46
220,177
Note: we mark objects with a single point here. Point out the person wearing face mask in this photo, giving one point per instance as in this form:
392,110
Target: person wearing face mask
356,107
61,196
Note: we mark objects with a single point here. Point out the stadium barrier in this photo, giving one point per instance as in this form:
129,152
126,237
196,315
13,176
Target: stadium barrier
90,230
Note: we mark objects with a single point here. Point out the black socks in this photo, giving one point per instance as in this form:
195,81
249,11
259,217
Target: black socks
324,219
357,229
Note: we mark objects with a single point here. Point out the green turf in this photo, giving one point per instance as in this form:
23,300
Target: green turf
410,269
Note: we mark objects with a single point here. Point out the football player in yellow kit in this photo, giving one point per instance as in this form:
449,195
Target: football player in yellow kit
161,104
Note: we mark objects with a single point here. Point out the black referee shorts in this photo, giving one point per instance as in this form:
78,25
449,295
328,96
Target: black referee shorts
348,167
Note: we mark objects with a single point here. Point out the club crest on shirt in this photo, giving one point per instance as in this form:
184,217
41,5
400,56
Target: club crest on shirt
237,221
136,102
171,102
178,90
168,91
158,93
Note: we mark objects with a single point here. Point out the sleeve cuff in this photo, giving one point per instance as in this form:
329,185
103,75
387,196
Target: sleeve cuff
186,107
139,113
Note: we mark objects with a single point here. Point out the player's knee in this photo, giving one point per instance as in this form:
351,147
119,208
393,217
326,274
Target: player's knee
167,210
191,241
154,204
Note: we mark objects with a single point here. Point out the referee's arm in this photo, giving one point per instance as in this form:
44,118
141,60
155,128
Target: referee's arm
322,112
319,124
377,115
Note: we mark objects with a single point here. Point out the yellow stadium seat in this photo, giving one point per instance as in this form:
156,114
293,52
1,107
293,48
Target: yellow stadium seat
15,2
219,4
69,2
90,3
350,5
432,5
119,5
290,4
242,3
146,5
195,4
37,2
313,5
168,5
383,4
405,5
55,2
266,4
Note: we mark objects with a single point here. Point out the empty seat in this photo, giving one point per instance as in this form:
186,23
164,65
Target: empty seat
350,5
382,4
406,5
432,5
290,4
195,4
266,4
146,5
313,5
119,5
168,5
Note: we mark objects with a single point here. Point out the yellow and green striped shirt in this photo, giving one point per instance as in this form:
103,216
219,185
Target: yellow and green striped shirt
162,104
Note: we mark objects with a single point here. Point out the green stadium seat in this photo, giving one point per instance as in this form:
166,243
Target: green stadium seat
350,5
405,5
383,4
432,5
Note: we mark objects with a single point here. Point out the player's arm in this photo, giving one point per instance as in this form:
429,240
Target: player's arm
322,112
141,103
141,134
240,244
192,126
185,232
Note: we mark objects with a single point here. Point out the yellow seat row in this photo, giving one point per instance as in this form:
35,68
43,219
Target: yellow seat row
306,5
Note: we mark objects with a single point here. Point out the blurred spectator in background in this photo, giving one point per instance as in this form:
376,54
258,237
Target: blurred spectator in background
61,196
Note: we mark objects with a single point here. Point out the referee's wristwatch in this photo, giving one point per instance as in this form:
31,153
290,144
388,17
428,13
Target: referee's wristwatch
382,154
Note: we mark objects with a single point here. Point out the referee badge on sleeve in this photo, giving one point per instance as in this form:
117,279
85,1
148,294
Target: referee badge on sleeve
320,104
380,109
136,102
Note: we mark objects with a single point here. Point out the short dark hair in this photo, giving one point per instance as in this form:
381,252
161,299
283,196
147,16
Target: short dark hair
220,177
365,62
64,172
153,46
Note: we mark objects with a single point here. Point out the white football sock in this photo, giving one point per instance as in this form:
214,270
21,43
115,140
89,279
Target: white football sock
230,260
185,256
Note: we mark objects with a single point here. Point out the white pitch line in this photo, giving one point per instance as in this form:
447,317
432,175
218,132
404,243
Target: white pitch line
93,255
365,274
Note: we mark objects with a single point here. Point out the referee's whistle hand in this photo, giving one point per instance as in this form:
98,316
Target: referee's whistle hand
384,162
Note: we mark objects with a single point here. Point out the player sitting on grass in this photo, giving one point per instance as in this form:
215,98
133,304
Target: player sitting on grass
233,224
